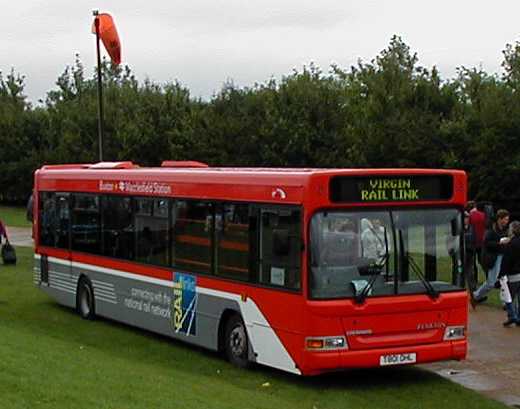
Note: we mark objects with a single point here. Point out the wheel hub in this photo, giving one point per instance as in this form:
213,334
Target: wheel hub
238,341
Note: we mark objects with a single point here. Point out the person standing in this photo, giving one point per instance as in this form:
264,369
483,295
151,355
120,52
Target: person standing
3,232
477,219
495,240
510,275
373,239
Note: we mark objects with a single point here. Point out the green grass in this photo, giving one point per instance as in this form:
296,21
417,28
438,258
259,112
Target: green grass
14,216
50,358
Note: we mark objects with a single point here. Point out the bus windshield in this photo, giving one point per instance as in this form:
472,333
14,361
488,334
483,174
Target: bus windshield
375,253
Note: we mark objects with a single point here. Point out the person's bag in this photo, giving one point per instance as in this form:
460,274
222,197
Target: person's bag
8,253
505,295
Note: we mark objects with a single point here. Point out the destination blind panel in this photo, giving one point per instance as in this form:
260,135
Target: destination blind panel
411,188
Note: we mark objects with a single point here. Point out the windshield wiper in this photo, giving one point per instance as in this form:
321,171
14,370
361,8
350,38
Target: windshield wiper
378,267
432,292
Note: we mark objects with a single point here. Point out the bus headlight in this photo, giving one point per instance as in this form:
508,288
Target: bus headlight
454,333
326,343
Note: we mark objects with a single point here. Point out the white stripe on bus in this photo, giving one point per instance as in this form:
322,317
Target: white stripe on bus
104,294
60,288
102,284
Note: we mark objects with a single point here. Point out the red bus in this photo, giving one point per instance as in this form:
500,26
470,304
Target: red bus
305,270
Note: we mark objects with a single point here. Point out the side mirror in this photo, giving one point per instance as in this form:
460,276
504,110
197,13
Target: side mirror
29,211
280,242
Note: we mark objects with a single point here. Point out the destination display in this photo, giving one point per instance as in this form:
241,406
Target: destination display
410,188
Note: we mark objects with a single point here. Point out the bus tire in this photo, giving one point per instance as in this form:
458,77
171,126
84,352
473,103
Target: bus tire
85,304
236,343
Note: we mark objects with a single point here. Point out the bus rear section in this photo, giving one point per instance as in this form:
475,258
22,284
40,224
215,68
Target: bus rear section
386,285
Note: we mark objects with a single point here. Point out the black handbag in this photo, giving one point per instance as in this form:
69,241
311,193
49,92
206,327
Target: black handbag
8,254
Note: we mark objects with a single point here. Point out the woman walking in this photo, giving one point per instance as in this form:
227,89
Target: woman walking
510,275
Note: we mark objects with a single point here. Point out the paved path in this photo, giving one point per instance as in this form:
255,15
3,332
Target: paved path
493,363
20,236
492,366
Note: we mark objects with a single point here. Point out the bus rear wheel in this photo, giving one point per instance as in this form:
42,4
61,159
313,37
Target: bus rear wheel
85,299
236,342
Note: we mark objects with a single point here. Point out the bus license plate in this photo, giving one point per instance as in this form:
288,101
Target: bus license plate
398,359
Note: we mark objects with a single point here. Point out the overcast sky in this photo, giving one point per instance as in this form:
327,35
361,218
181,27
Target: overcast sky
203,43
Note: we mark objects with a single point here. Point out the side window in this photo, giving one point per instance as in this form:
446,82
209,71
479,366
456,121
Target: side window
48,219
192,232
152,233
232,239
63,220
118,228
280,247
54,219
86,223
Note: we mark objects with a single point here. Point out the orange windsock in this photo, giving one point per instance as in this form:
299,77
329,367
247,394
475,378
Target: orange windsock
108,33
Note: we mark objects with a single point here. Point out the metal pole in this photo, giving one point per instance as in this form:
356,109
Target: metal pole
100,89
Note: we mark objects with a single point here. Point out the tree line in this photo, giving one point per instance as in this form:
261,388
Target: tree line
389,112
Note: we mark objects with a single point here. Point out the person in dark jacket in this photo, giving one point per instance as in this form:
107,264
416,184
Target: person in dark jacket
510,275
495,241
29,210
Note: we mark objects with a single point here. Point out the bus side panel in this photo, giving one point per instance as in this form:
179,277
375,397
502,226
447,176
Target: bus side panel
151,306
142,302
58,282
149,303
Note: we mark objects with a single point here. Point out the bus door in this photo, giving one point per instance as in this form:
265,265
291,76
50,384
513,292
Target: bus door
53,231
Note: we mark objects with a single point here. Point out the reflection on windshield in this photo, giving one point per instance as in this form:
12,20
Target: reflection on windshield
361,253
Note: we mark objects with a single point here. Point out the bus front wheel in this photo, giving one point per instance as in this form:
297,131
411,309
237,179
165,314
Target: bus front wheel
236,342
85,299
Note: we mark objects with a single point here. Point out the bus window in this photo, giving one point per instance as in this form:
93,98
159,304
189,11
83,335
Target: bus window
86,223
54,216
47,218
151,227
345,246
431,248
118,228
232,235
280,245
192,231
63,219
385,252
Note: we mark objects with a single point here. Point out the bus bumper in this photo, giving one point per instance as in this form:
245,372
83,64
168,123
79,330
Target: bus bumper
320,362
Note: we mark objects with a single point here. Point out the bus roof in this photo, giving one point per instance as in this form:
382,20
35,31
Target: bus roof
195,179
173,168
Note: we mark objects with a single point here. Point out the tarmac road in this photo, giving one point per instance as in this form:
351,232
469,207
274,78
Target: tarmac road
493,363
492,366
20,236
